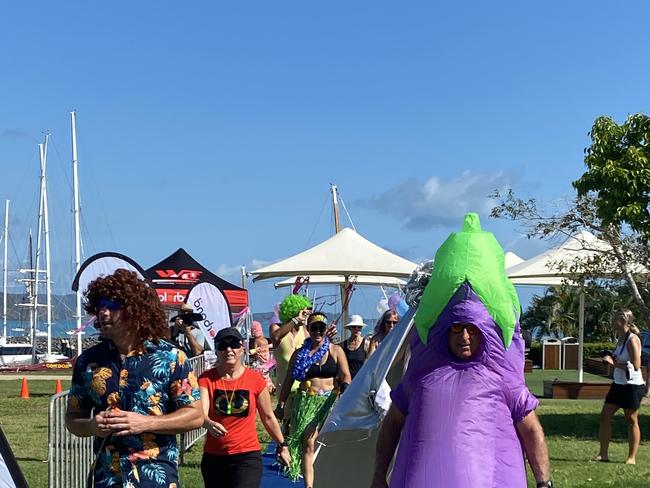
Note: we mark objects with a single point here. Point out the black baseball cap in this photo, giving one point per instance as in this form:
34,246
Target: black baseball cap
227,332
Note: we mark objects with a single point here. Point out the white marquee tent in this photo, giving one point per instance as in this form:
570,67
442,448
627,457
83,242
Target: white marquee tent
561,265
346,253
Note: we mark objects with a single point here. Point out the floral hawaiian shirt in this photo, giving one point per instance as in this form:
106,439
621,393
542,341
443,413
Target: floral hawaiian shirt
156,380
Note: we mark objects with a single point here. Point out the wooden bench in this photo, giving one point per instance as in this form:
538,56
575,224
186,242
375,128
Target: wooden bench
592,390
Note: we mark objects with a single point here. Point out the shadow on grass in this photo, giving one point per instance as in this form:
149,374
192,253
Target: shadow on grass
33,395
585,426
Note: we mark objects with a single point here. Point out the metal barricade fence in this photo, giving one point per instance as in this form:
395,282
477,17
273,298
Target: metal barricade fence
70,457
188,439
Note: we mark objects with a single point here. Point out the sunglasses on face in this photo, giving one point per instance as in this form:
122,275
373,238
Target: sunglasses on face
317,327
232,344
111,305
392,322
471,329
355,327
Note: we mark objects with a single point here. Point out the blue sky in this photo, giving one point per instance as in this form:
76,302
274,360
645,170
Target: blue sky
218,126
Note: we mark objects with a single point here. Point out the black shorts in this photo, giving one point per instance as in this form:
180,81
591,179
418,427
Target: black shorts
625,396
232,471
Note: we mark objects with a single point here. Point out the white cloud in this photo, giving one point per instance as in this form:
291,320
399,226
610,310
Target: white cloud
13,134
423,205
233,272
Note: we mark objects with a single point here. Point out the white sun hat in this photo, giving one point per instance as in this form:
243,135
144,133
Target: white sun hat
355,321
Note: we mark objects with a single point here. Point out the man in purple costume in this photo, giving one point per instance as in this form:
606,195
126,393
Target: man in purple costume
462,414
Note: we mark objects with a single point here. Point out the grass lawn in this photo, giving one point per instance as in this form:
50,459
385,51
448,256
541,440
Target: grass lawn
571,428
24,422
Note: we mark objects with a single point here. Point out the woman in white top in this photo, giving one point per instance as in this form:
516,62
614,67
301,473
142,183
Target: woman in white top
628,388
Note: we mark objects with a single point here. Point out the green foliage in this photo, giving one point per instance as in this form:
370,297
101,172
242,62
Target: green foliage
24,422
556,312
618,171
627,252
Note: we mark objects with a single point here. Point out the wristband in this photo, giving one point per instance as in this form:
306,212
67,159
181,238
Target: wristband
283,444
545,484
295,321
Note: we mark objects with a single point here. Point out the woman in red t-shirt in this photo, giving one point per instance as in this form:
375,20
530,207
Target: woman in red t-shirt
231,394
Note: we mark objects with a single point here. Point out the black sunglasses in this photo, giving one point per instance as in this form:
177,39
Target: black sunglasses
232,344
317,327
111,305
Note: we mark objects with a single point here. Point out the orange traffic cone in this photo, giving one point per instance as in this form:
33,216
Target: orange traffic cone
58,388
24,390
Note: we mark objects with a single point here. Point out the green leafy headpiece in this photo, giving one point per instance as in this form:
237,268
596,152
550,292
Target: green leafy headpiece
472,256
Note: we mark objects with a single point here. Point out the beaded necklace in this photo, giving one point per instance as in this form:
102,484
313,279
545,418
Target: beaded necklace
229,401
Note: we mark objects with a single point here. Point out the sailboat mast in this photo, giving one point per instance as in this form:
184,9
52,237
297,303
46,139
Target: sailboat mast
31,285
337,228
5,237
77,234
39,232
335,209
48,275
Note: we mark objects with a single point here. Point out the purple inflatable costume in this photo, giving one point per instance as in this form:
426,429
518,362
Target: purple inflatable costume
460,415
459,430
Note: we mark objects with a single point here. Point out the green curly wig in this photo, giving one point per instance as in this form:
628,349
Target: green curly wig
292,305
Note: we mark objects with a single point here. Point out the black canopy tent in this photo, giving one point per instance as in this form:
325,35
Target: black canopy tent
175,275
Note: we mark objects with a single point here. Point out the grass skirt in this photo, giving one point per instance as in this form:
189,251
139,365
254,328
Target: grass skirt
309,409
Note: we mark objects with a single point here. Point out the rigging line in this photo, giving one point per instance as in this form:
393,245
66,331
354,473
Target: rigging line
347,213
61,164
92,244
320,215
14,249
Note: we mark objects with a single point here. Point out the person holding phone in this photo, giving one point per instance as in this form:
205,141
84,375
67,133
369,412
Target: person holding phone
184,334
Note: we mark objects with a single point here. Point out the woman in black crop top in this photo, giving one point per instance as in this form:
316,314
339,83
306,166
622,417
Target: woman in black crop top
316,365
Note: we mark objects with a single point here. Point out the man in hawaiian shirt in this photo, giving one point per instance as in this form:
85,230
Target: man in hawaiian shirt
140,389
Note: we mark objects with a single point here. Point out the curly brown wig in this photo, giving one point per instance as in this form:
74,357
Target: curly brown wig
141,304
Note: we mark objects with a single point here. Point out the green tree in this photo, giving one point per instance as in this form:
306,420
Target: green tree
618,172
555,313
621,262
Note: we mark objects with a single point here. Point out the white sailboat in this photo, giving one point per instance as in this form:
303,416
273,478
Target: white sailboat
35,276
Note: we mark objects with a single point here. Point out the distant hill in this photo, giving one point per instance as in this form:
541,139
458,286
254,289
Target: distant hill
62,306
